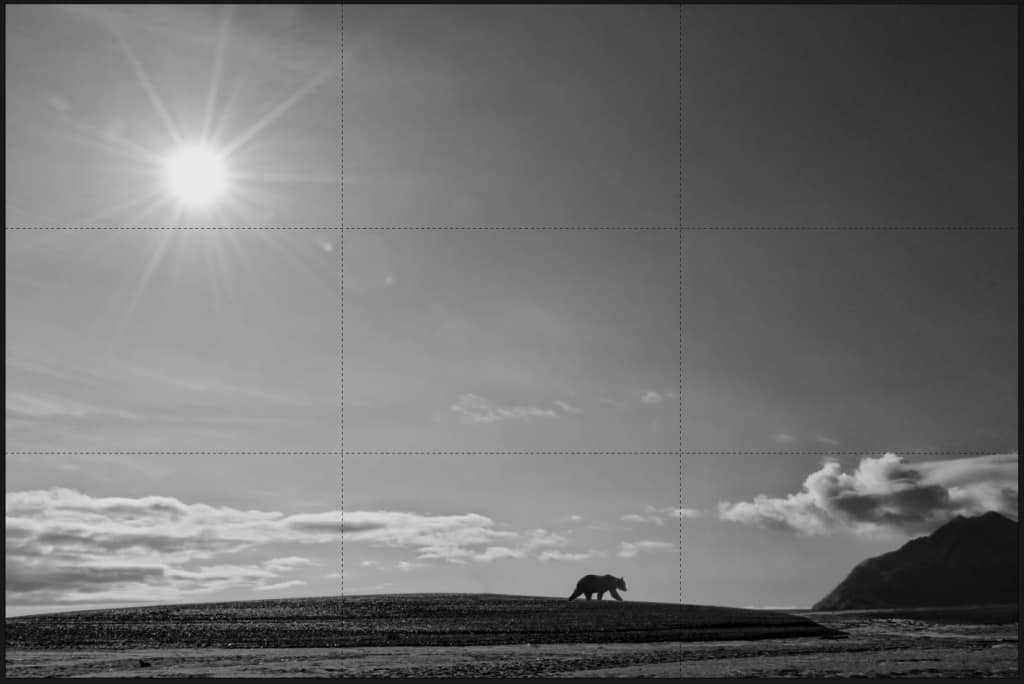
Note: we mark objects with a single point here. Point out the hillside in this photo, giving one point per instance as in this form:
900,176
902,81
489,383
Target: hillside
967,561
399,620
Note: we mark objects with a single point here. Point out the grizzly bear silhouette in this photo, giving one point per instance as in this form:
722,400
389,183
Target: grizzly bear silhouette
599,584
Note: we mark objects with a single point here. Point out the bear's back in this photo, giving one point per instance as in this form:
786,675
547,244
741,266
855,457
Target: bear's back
597,582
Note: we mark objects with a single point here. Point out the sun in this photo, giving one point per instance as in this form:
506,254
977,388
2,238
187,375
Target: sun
196,175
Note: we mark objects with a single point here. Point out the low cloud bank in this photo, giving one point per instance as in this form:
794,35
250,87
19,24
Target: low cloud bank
887,494
67,548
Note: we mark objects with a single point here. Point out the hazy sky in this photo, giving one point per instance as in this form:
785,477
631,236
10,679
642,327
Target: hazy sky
511,340
844,115
172,340
878,368
450,121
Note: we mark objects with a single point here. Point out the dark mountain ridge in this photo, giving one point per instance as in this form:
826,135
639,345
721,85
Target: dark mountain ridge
967,561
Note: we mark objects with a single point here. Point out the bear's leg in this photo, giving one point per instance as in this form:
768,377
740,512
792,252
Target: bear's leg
589,594
615,595
600,595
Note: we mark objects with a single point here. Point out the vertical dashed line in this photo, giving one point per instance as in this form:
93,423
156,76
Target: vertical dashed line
341,251
680,314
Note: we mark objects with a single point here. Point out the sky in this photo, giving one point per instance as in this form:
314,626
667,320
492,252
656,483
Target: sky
728,417
448,121
98,97
849,115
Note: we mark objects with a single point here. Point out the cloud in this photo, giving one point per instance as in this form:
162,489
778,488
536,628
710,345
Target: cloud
444,537
637,518
827,440
632,549
652,397
475,409
657,516
567,407
575,518
886,494
783,437
280,585
556,555
612,402
19,405
406,566
64,547
288,564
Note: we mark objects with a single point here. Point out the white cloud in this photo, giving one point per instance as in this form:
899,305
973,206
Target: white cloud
656,516
474,409
407,566
287,564
783,437
827,440
567,407
575,518
65,547
556,555
632,549
652,398
637,518
887,494
280,585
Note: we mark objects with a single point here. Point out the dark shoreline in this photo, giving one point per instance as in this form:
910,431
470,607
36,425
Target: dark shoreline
401,620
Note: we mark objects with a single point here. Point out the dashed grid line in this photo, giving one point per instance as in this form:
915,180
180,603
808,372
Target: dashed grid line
341,114
874,452
679,393
681,228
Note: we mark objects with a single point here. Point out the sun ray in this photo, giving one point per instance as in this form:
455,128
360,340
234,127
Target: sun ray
156,258
215,73
278,111
300,178
91,135
151,198
229,105
147,85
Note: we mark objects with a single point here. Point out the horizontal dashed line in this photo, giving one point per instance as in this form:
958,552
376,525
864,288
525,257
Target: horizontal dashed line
506,453
497,228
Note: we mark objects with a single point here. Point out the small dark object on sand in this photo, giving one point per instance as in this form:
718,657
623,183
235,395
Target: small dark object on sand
143,663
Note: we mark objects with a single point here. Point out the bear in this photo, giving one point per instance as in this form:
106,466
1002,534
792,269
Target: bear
599,584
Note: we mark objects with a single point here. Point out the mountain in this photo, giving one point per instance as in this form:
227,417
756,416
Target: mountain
966,561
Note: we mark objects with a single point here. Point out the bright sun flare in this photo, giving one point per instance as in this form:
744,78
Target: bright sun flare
196,175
